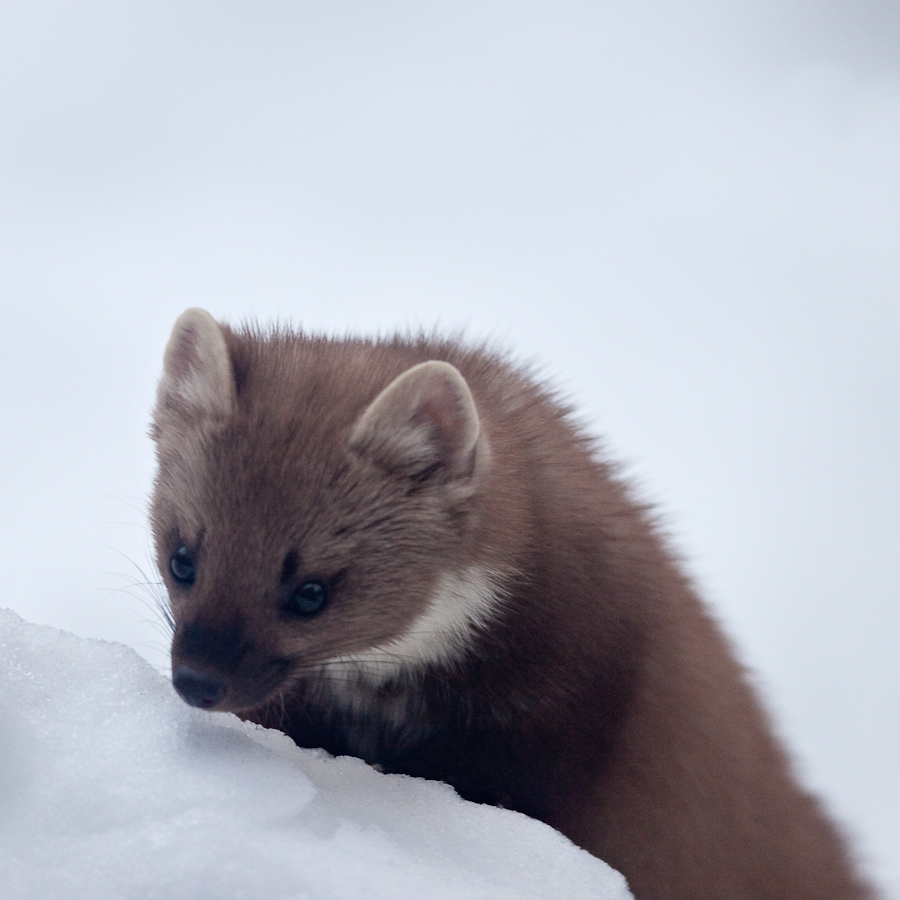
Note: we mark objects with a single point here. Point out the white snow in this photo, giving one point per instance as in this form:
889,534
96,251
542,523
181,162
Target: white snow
111,787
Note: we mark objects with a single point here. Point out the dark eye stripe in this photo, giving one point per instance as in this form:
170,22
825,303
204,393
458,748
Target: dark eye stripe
290,566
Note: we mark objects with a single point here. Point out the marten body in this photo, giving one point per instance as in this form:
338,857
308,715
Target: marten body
406,551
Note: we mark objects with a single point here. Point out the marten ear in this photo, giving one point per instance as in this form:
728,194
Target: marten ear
424,420
197,380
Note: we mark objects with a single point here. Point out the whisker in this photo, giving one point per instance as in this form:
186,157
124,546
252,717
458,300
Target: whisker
150,592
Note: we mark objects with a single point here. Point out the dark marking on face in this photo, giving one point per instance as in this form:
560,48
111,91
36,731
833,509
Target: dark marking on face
290,566
221,646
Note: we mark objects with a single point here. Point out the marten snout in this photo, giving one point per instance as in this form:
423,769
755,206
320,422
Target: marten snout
214,667
198,688
221,647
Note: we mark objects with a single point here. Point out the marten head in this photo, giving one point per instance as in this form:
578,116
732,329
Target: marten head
315,512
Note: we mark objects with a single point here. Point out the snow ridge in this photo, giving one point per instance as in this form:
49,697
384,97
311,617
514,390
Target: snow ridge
112,787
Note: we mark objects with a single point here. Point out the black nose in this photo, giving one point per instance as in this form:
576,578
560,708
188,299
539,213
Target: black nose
198,688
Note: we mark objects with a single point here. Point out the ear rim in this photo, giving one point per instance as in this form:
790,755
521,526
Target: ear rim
197,381
400,415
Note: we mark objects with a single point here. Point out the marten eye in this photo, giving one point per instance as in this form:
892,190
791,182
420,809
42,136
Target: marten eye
308,599
181,565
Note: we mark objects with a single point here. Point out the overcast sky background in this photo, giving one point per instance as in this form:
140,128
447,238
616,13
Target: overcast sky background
688,218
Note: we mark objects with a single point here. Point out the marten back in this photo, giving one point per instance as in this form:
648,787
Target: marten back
405,550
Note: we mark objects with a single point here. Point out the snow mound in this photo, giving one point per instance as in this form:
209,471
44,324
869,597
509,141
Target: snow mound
110,786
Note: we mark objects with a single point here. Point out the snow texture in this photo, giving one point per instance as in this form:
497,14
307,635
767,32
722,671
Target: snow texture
110,786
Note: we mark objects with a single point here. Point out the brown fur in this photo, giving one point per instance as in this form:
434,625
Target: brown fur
599,697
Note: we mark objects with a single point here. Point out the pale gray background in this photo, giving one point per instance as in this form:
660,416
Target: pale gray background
689,219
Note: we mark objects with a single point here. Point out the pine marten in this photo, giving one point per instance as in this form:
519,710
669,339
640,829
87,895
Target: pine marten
405,550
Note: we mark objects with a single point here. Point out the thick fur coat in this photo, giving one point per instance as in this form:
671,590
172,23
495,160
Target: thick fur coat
405,550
